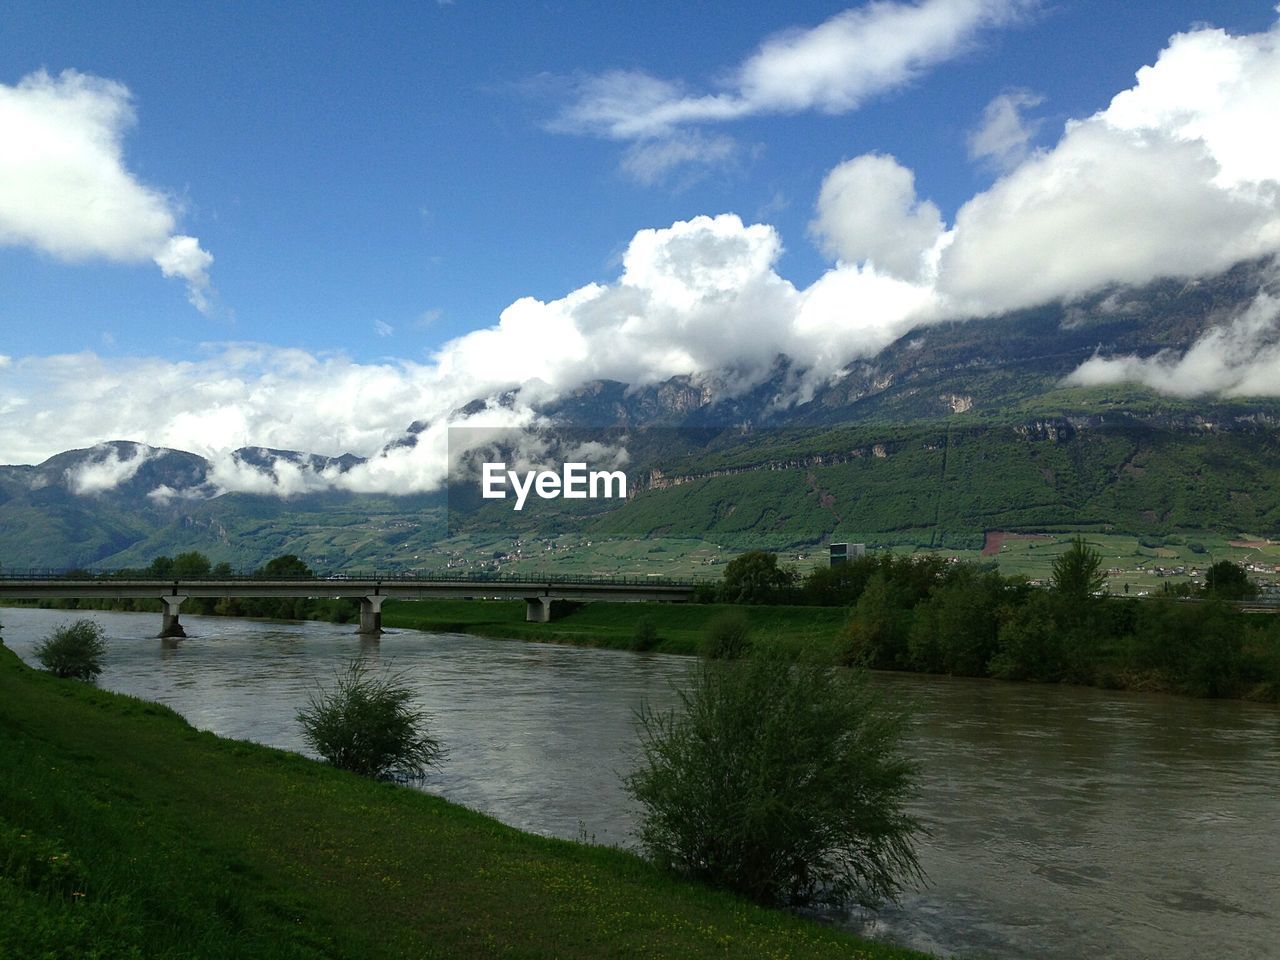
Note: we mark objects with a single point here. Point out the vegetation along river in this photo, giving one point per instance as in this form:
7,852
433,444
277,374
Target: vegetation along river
1065,822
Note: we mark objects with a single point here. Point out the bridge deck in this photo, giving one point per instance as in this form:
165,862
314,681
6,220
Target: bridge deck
36,587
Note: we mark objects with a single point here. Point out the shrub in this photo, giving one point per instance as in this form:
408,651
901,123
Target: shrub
74,650
367,725
645,636
728,636
782,782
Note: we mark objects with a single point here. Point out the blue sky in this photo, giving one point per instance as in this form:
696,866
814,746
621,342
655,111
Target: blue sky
374,182
350,164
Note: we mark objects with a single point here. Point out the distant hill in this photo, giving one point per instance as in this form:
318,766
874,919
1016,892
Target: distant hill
953,430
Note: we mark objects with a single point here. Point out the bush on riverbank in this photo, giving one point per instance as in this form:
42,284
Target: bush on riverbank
367,725
728,636
74,650
779,780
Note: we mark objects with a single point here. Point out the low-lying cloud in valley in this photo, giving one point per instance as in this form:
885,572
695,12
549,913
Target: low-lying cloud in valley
1179,176
1239,358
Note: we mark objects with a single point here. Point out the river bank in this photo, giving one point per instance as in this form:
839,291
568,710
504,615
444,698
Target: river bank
1063,821
125,832
1112,663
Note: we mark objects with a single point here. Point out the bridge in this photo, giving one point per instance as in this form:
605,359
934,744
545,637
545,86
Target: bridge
371,590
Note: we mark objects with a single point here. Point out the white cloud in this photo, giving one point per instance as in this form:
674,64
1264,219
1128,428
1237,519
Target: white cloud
650,160
182,257
1179,176
1239,358
107,469
64,188
1004,138
701,295
382,328
868,212
833,67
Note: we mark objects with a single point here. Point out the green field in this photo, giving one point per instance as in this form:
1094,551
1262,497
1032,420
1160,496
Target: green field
1133,562
680,627
125,833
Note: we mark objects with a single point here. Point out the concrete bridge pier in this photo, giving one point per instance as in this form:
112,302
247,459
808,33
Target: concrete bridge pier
537,609
170,627
371,615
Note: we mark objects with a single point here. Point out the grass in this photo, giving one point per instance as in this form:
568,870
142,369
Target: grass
681,626
124,832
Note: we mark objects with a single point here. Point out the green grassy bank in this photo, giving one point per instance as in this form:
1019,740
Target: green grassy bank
680,626
126,833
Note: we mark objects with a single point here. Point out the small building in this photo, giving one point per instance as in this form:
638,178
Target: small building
844,552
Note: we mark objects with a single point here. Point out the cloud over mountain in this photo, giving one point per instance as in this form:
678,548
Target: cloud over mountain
1237,358
1179,176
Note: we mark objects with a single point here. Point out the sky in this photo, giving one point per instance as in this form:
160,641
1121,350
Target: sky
308,225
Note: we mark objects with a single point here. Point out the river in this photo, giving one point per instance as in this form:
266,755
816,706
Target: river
1064,822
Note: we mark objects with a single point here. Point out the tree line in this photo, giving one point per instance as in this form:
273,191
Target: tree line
925,614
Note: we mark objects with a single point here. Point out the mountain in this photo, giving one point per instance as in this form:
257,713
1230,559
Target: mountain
953,430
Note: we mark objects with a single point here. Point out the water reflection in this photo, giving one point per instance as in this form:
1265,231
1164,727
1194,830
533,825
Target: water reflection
1064,822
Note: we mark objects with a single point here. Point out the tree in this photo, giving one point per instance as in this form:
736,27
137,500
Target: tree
840,585
1077,573
1229,581
1198,647
1031,644
288,565
783,782
161,568
755,577
367,725
955,630
74,650
190,565
877,632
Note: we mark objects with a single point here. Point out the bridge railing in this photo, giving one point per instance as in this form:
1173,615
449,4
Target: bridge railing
379,576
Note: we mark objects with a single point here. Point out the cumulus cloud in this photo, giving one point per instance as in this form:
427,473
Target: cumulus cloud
833,67
64,187
1178,176
182,257
868,212
1004,138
